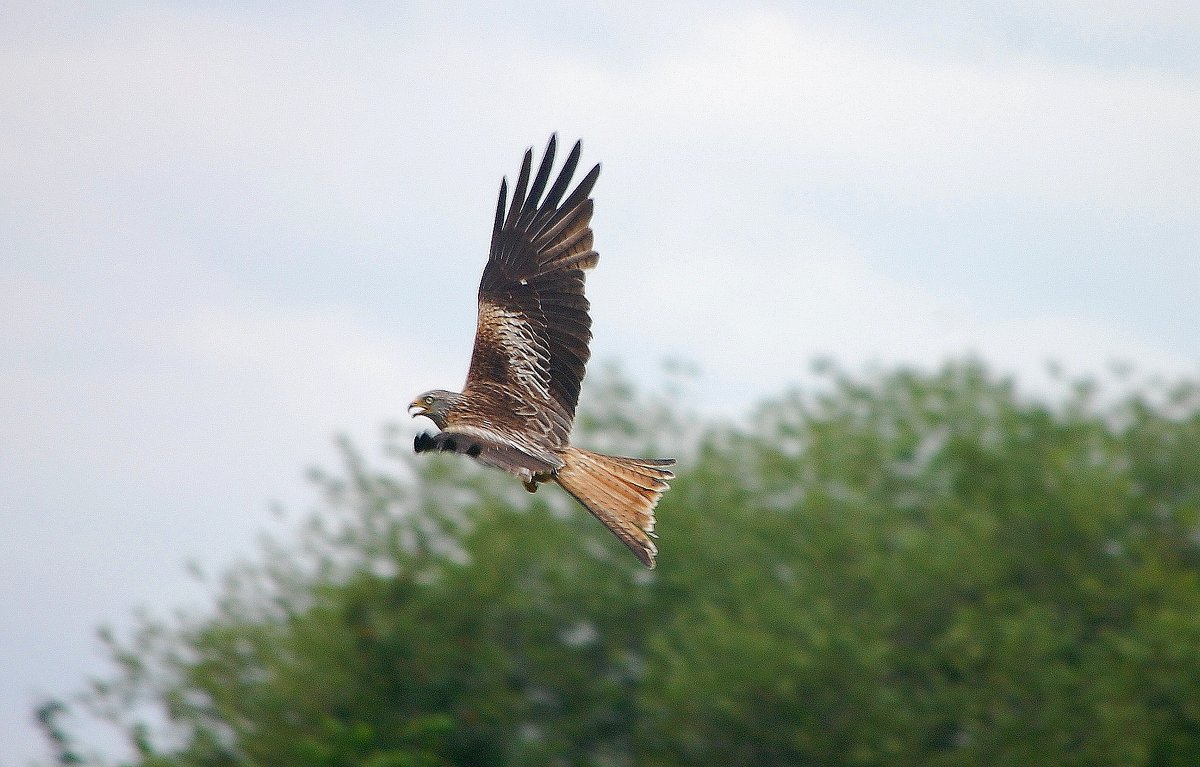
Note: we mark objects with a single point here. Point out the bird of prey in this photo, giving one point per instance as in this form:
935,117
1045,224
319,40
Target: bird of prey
531,346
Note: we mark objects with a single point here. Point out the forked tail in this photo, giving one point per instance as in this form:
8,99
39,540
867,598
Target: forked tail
620,492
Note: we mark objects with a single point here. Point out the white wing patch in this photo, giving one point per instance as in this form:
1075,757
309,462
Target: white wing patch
528,358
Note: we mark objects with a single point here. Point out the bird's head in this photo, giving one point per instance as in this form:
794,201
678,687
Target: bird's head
434,405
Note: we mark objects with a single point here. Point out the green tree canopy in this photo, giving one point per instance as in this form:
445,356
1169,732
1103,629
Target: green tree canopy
894,569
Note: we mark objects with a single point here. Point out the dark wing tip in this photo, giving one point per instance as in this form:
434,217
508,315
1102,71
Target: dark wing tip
539,183
589,181
500,206
518,198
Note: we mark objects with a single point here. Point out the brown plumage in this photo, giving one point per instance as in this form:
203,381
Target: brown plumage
517,407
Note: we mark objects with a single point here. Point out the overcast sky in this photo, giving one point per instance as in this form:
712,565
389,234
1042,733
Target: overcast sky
230,231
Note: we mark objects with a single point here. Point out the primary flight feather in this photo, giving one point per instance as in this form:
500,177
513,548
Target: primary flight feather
517,407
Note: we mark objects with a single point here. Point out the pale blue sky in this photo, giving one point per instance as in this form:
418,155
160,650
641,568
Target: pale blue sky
228,231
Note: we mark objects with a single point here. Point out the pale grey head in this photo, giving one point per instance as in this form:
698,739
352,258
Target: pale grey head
434,405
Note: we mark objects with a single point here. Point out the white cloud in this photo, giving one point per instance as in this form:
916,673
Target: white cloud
328,120
755,322
763,93
312,358
1118,14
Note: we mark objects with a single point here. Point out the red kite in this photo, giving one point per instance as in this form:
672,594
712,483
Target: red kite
517,407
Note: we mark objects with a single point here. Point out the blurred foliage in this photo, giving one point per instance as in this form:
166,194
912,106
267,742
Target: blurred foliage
894,568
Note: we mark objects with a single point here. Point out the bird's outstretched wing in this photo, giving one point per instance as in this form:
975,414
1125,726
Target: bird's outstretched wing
531,341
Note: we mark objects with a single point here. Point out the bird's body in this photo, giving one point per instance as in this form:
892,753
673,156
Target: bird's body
517,407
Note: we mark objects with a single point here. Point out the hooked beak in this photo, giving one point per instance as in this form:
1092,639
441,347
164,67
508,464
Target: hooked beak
416,408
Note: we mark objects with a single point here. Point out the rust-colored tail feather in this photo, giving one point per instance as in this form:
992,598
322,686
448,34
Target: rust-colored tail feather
620,492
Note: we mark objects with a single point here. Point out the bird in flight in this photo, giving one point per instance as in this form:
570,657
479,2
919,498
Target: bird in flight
517,406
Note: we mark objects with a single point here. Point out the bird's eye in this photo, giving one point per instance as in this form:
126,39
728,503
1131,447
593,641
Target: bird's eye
429,400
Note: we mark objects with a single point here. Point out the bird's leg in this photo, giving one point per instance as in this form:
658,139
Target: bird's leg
527,479
534,479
